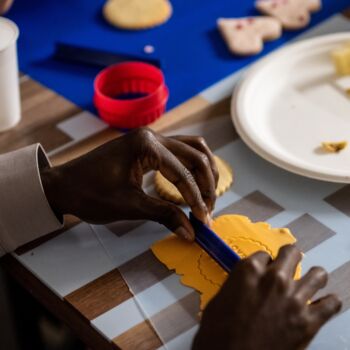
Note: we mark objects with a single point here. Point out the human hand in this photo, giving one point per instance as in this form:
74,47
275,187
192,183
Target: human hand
262,307
105,185
5,6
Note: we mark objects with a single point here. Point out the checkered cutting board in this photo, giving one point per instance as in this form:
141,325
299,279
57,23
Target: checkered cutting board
85,265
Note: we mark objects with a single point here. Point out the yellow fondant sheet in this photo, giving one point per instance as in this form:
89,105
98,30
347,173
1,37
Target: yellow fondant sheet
199,271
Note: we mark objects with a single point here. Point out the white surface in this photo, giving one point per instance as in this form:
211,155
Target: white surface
78,128
287,106
82,126
183,341
69,261
165,293
10,111
119,319
137,241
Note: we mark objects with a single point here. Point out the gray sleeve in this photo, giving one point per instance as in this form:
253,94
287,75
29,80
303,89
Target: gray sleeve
25,213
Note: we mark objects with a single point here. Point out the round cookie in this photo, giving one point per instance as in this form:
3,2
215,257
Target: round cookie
168,191
137,14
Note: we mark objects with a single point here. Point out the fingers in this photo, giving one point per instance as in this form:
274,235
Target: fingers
156,156
287,261
324,309
260,260
174,171
310,284
279,274
167,214
200,144
246,274
255,264
199,165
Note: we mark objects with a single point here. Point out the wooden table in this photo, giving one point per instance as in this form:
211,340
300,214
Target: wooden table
43,111
52,120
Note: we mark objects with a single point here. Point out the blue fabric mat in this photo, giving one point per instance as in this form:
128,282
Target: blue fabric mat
189,45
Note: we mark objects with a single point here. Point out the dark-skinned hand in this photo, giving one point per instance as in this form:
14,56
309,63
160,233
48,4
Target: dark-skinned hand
5,6
261,306
105,185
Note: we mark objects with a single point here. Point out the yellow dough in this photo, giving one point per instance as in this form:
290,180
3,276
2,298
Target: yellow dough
168,191
137,14
199,271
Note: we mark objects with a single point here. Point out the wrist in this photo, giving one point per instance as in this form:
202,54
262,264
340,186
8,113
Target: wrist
51,179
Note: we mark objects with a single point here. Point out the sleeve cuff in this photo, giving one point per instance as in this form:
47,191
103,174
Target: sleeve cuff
25,213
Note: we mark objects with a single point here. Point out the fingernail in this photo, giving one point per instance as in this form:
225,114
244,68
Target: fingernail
209,220
209,205
182,232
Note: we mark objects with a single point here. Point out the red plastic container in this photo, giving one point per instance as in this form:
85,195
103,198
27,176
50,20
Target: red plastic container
125,79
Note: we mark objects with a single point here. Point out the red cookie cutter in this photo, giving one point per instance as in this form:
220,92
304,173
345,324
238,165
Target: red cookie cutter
130,78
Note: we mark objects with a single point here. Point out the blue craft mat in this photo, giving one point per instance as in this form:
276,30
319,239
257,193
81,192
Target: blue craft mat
189,45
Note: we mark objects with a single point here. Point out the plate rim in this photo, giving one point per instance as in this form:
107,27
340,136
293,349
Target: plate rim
236,110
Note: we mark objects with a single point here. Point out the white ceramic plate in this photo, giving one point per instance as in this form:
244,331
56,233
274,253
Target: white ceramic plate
289,103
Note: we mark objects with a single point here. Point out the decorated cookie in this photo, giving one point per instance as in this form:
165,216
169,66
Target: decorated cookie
168,191
246,36
137,14
293,14
199,271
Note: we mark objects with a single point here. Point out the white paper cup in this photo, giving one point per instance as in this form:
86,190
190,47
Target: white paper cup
10,105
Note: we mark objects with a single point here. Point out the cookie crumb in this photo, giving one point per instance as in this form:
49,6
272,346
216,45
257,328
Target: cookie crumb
334,147
341,60
149,49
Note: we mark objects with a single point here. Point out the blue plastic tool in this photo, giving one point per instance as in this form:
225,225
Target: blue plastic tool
101,58
214,245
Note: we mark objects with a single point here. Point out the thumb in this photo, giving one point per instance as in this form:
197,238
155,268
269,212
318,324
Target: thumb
166,213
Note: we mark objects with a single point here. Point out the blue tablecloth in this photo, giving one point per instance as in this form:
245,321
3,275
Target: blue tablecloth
189,45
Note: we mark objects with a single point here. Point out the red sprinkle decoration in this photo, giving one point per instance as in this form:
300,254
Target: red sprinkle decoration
301,18
251,20
239,26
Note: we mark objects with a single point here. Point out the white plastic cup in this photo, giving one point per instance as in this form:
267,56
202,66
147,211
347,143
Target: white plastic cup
10,104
